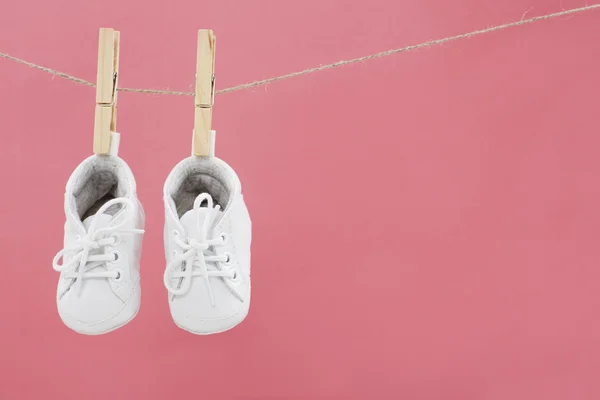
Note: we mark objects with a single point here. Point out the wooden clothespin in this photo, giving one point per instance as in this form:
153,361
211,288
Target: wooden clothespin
205,94
106,89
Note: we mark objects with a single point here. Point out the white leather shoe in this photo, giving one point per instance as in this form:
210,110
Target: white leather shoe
207,245
99,285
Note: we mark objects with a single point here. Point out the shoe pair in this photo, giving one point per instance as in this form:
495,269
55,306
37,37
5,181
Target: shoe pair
207,245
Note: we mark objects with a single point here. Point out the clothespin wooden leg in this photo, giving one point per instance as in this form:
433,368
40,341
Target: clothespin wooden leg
205,93
106,89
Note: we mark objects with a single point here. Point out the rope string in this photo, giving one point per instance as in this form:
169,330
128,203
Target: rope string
319,68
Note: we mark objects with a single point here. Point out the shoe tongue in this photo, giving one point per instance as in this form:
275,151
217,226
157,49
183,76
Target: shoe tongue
193,220
103,220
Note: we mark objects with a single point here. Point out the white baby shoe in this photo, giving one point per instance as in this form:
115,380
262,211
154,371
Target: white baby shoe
207,244
99,285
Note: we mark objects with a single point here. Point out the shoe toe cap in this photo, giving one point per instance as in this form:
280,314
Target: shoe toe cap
195,313
95,312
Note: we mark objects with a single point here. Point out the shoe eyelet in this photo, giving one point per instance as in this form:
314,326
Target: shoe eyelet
116,238
225,238
175,233
236,276
119,276
228,261
116,255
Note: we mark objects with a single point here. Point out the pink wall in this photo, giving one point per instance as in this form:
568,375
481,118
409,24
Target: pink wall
425,226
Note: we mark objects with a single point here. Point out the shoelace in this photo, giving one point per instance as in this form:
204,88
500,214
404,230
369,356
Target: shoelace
194,254
82,262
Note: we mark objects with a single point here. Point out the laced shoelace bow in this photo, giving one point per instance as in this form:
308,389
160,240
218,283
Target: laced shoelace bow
79,266
194,254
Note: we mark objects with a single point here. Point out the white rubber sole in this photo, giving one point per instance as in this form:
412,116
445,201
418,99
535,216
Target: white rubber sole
199,326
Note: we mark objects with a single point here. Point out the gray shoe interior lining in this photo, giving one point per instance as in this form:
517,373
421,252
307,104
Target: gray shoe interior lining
99,184
195,184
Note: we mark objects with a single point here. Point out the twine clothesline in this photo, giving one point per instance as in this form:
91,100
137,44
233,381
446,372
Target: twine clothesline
261,82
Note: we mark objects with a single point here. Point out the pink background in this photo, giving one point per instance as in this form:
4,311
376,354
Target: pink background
425,225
